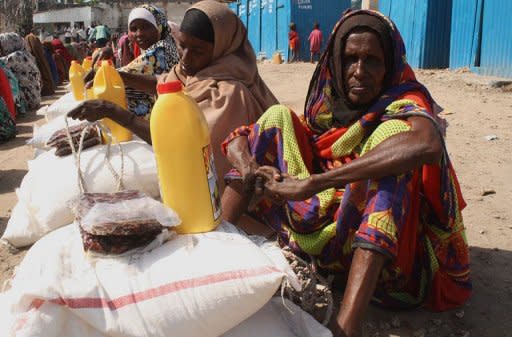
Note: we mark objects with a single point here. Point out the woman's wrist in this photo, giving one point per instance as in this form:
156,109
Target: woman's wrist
325,181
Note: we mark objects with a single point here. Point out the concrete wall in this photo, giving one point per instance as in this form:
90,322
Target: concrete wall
67,15
114,15
174,10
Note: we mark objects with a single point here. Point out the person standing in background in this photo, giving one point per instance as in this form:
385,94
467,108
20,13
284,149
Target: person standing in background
293,39
100,34
315,42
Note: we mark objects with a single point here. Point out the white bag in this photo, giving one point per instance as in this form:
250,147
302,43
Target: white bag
60,107
43,133
276,319
193,285
52,182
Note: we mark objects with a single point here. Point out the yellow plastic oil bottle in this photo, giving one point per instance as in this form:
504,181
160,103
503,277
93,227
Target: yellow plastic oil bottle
109,86
186,170
87,64
76,77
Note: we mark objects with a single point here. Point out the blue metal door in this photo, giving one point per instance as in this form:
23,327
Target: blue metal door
268,29
240,9
465,31
282,12
496,48
409,17
254,24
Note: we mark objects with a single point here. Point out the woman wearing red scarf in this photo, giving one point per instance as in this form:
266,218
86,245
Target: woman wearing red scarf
363,183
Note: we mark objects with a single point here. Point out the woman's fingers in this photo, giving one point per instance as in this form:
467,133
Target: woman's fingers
77,112
269,172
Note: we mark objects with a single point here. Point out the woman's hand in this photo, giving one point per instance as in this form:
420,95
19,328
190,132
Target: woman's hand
93,110
89,76
280,186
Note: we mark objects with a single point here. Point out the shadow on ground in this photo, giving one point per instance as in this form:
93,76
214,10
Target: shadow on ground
486,314
11,179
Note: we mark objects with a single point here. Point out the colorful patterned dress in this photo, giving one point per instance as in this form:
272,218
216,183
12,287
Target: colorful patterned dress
414,219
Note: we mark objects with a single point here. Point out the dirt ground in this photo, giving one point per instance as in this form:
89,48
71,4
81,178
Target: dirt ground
474,110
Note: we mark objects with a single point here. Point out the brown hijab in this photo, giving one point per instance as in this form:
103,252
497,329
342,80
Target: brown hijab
36,48
229,90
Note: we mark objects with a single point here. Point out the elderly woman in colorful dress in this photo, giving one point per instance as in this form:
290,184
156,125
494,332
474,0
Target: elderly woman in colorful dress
362,182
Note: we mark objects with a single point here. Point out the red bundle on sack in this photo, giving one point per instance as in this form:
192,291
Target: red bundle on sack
114,223
60,141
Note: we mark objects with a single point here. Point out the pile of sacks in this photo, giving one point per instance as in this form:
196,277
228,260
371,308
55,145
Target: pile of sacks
220,283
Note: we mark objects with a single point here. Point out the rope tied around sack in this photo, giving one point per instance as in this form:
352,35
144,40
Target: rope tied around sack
77,154
316,294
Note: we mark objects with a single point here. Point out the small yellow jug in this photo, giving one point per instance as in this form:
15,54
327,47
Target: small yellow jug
87,64
76,77
109,86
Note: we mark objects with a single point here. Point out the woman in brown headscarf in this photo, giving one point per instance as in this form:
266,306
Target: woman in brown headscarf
36,48
217,68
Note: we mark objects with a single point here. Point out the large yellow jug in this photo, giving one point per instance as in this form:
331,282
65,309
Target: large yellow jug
87,64
186,170
76,77
109,86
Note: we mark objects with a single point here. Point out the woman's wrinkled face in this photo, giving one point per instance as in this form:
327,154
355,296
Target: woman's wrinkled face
144,33
195,54
364,68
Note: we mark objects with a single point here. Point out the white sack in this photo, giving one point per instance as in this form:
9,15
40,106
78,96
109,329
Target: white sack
52,182
277,320
60,107
193,285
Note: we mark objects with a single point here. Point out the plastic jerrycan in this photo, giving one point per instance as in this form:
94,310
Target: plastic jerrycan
76,77
186,170
109,86
87,64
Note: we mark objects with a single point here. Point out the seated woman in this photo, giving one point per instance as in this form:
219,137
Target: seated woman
35,47
218,69
363,182
16,57
148,24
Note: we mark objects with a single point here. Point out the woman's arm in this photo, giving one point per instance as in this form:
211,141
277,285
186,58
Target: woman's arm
142,82
395,155
93,110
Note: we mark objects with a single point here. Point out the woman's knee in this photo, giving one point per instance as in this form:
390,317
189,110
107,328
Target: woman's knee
276,116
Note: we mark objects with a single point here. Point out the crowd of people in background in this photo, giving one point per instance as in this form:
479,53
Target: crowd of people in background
34,66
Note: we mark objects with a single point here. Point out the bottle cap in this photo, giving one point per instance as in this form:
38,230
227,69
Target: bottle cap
169,87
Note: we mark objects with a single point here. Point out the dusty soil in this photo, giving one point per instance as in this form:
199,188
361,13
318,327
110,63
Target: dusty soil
474,110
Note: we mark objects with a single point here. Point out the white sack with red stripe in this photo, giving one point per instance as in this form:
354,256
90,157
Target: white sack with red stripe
279,318
193,285
51,182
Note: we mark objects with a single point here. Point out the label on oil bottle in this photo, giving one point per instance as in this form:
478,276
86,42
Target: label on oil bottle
213,186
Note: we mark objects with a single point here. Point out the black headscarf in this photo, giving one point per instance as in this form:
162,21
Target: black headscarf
196,23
